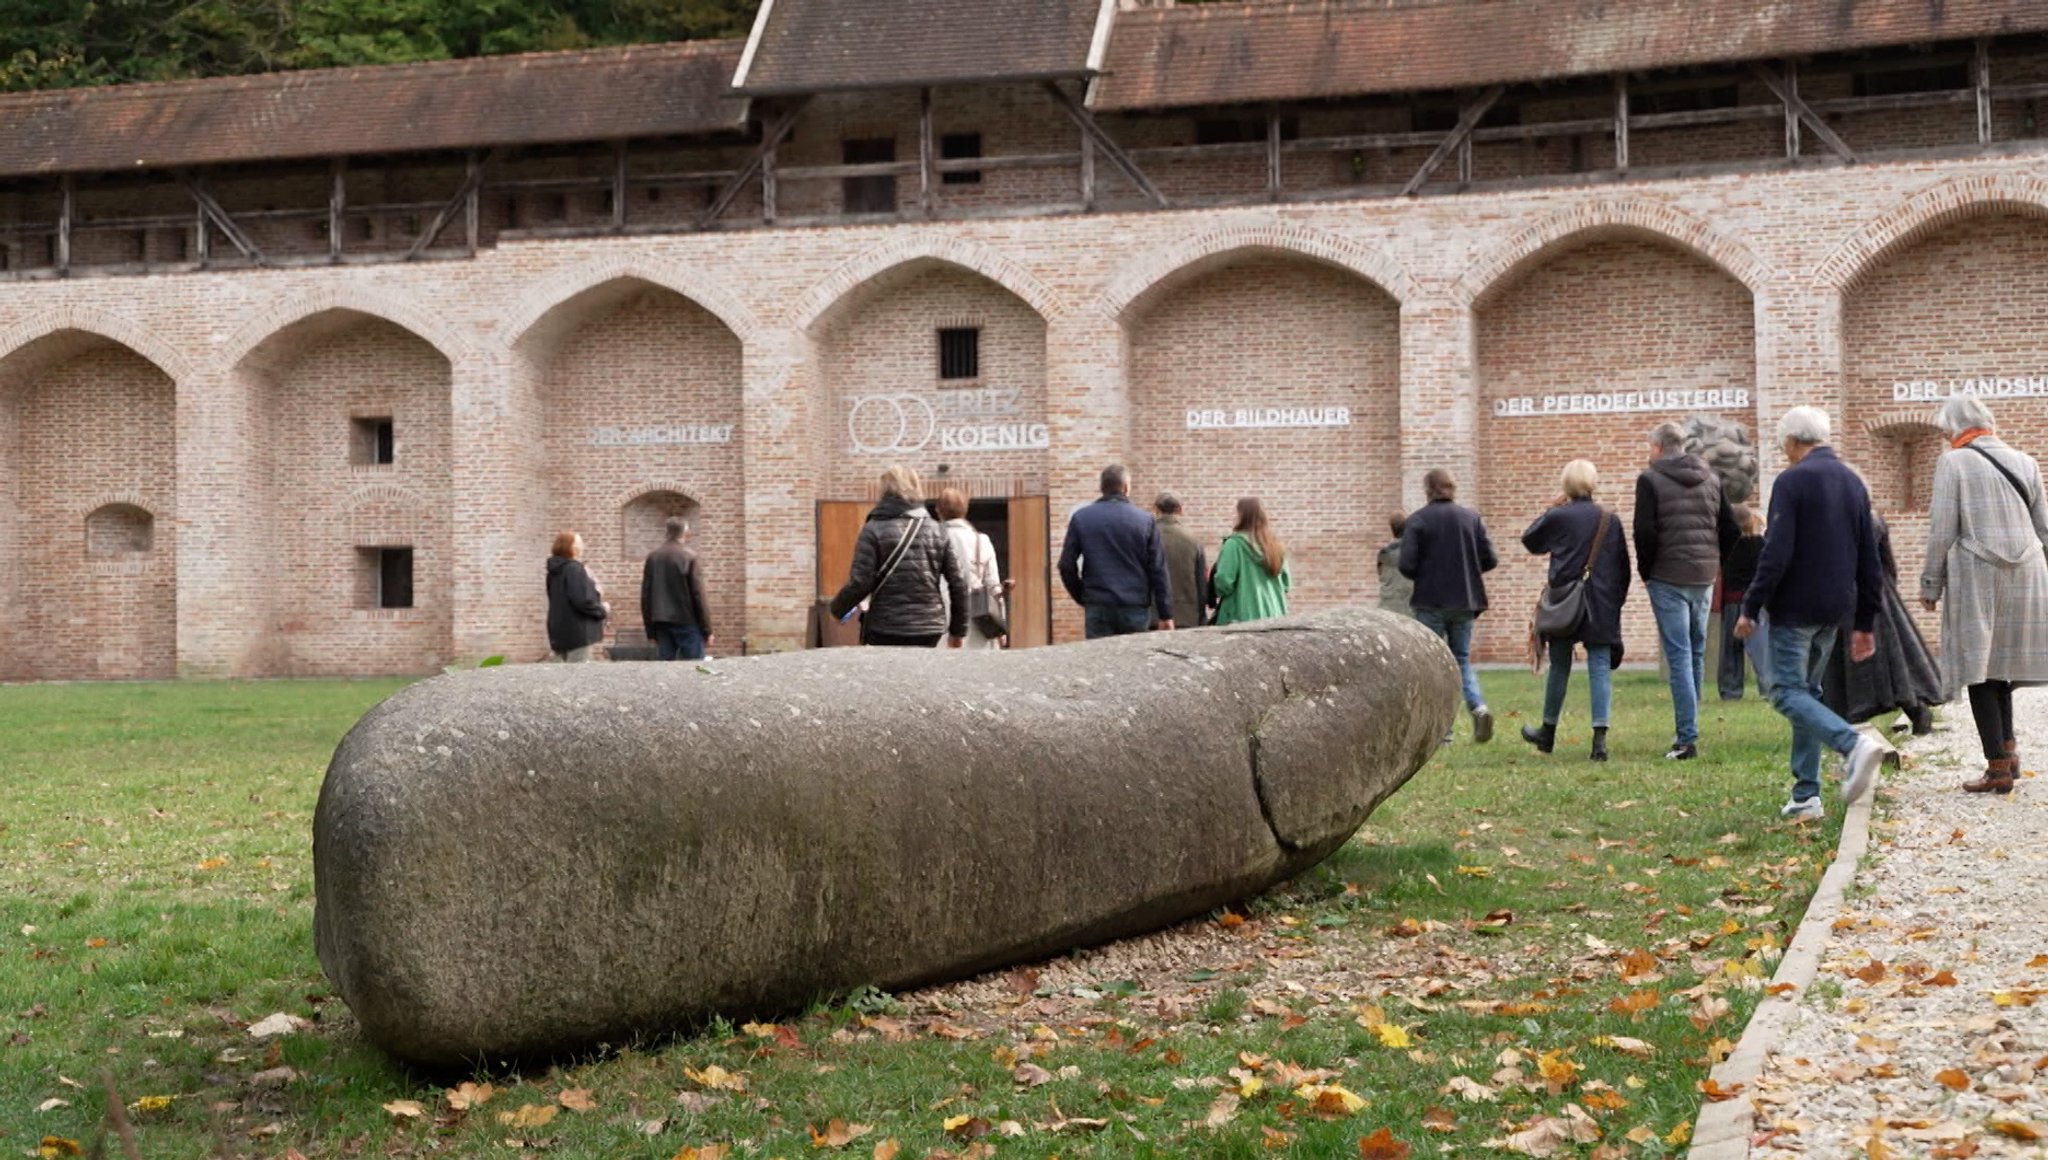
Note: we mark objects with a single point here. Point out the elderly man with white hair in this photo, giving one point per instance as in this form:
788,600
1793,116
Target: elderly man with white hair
1987,524
1819,564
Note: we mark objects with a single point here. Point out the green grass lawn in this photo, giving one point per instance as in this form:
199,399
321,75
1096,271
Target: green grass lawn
1513,944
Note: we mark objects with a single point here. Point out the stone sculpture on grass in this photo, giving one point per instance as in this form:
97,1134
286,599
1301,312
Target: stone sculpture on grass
539,859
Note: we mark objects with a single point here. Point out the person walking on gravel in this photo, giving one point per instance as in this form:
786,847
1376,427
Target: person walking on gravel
1819,564
1987,527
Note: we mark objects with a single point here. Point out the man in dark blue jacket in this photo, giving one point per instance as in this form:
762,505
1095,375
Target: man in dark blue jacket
1113,563
1444,549
1819,564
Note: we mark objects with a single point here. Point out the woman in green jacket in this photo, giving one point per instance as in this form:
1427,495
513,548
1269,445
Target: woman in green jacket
1251,580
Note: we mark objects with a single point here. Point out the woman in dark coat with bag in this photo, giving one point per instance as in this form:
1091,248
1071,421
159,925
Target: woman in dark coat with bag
1901,676
905,569
1567,533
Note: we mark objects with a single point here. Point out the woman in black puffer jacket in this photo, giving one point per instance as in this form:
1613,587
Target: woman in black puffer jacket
903,563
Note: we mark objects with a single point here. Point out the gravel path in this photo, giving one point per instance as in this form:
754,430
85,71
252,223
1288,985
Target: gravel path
1925,1033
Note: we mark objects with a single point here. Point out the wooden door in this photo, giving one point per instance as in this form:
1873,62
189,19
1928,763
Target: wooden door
838,527
839,524
1031,567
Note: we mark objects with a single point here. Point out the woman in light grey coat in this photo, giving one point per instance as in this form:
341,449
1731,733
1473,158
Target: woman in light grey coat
1987,569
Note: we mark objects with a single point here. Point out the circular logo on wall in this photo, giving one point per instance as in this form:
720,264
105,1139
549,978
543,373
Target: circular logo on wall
890,424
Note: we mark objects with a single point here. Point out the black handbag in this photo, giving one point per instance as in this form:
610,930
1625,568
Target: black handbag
985,604
1561,610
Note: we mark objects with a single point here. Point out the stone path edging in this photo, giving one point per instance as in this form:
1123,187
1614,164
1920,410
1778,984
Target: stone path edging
1724,1128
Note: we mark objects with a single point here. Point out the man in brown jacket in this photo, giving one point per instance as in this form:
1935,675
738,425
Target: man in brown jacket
672,604
1187,572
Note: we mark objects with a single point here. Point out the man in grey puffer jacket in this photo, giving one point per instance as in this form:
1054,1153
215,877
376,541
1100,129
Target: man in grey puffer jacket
1682,525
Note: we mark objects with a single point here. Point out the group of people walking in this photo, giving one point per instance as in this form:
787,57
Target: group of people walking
1809,595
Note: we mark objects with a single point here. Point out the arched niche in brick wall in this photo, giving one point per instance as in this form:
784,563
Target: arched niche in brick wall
1585,338
90,425
349,490
1949,301
1265,371
633,389
643,520
934,364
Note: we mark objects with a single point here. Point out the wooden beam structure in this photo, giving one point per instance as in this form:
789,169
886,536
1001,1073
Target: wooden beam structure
337,207
67,212
1621,122
1791,75
1109,148
1795,106
770,138
1456,140
619,186
927,154
1273,155
1980,78
464,200
211,211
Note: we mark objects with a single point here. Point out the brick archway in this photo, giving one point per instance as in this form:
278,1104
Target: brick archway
398,309
560,287
1926,212
843,284
1502,266
125,332
1162,267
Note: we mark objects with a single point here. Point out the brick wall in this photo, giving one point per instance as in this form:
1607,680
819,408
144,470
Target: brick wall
1095,320
1619,314
1271,332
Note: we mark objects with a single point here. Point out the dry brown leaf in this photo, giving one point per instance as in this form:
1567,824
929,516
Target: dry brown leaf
1637,963
1713,1090
405,1109
967,1127
1870,972
1222,1110
466,1095
1633,1003
1440,1120
1031,1075
1541,1138
1954,1079
1469,1090
2018,1129
703,1152
1381,1145
716,1078
1941,978
1876,1149
838,1134
528,1116
1558,1072
1961,1150
577,1100
887,1149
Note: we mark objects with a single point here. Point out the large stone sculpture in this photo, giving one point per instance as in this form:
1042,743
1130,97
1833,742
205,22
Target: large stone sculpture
1725,446
544,858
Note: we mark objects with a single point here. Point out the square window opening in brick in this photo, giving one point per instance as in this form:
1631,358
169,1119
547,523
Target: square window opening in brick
959,353
371,443
868,194
384,577
115,530
960,147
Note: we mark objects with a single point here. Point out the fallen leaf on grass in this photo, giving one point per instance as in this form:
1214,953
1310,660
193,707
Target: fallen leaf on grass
838,1134
1031,1075
528,1116
1558,1072
706,1152
1222,1110
272,1026
151,1103
1954,1079
716,1078
1637,963
1469,1090
887,1149
1330,1101
1625,1044
577,1100
1381,1145
466,1095
967,1127
1440,1120
1633,1003
212,863
1391,1035
405,1109
1476,871
52,1104
54,1146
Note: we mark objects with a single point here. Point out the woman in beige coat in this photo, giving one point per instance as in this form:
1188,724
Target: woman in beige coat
977,556
1987,569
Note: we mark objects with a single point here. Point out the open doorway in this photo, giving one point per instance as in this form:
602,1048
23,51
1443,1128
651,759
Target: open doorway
1019,529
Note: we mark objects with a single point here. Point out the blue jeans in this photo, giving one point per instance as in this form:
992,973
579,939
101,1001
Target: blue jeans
1599,671
673,642
1798,654
1681,612
1455,628
1117,619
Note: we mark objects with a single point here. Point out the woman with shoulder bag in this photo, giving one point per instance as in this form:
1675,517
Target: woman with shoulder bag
987,594
904,567
1588,583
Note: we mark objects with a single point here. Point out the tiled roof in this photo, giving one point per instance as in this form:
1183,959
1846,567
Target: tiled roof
1275,50
826,45
647,91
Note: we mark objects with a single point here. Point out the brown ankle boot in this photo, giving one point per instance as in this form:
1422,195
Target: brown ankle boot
1998,777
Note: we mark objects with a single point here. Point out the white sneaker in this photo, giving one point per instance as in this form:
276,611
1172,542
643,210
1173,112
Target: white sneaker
1803,810
1861,769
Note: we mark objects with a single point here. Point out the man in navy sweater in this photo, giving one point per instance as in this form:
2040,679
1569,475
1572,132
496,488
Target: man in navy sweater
1819,563
1113,563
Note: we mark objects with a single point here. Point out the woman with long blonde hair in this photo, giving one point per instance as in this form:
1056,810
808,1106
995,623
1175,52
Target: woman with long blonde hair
1251,578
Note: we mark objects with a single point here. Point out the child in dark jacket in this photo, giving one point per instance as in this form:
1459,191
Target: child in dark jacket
1738,568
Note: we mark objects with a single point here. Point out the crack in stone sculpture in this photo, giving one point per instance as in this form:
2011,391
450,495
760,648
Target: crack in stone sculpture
538,859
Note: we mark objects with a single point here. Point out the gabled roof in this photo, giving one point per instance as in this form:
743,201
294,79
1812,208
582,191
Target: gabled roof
1276,50
542,98
811,46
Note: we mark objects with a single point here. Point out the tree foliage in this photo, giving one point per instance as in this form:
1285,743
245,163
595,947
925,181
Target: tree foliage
66,43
